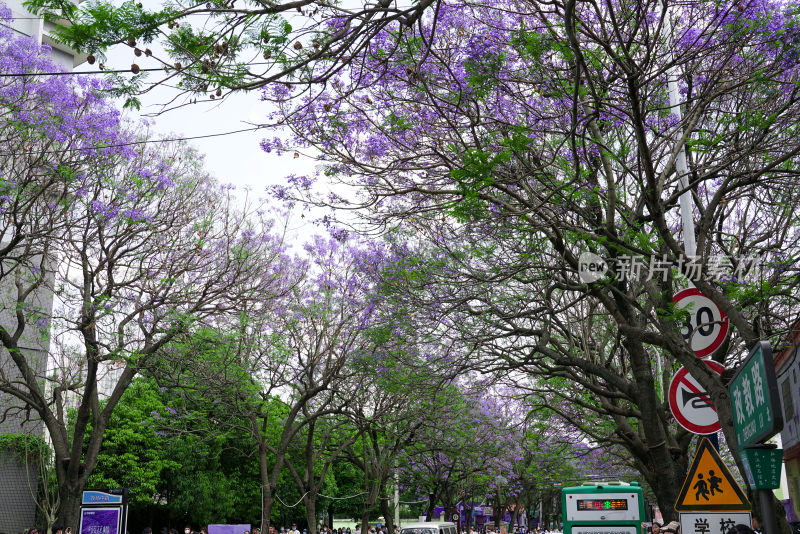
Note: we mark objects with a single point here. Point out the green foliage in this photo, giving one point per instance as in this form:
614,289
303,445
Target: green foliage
530,44
133,455
483,72
170,457
26,447
96,24
478,170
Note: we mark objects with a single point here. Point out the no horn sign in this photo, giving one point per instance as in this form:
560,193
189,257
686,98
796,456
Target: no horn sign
690,404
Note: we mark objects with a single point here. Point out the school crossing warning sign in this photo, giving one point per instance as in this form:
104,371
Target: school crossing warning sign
709,486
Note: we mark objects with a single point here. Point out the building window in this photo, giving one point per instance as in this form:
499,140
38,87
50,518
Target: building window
788,401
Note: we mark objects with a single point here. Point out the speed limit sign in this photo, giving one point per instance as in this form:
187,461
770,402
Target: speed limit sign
705,325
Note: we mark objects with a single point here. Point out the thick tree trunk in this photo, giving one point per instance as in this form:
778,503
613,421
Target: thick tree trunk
267,490
311,511
467,519
431,506
365,519
663,465
388,513
70,509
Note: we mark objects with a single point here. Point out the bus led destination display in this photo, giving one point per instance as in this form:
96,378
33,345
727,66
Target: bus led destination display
602,504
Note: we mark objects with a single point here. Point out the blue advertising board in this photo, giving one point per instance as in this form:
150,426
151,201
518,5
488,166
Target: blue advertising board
104,512
100,497
101,520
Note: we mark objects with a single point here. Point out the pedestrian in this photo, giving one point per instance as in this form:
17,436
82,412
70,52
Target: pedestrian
741,529
187,530
673,527
147,530
655,528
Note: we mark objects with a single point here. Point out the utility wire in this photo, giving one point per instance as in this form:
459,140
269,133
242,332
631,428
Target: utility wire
104,71
295,504
318,495
10,154
72,73
342,498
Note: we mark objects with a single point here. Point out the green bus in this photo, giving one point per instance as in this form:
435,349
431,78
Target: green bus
603,508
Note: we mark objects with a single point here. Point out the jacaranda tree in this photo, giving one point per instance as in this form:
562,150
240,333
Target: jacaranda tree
137,244
516,135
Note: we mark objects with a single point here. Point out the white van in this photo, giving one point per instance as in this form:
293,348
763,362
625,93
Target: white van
429,528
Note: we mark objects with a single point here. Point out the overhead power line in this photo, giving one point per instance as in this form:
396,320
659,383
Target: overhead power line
343,498
104,71
72,73
132,143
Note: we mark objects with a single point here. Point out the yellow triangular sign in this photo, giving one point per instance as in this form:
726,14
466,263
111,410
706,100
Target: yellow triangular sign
709,486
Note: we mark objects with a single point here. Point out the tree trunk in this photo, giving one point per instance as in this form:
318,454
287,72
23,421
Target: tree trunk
365,519
388,514
311,511
70,509
431,506
267,490
663,465
330,515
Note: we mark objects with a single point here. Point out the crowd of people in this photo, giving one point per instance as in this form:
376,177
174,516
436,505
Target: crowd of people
656,528
57,529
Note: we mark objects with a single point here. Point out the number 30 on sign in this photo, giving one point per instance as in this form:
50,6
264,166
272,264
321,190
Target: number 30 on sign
704,323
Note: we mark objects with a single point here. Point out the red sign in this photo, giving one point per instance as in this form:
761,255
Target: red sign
705,325
691,405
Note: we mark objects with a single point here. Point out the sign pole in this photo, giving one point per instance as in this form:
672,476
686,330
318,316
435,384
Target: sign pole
769,520
757,417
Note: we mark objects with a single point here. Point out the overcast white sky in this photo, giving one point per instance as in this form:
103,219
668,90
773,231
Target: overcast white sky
236,158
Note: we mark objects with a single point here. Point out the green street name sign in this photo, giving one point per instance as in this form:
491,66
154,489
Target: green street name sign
757,414
762,466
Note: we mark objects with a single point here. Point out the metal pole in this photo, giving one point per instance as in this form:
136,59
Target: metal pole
681,168
396,499
769,520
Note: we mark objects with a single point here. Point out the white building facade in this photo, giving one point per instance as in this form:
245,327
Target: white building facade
18,475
